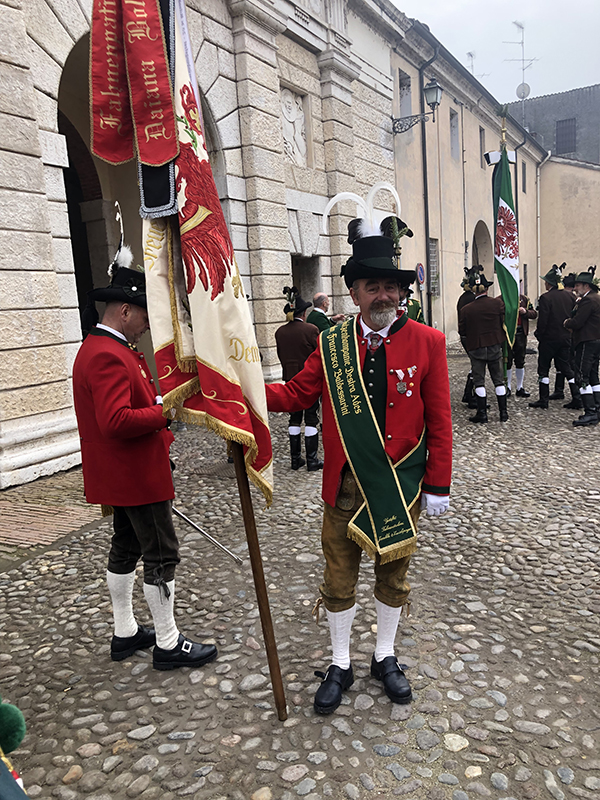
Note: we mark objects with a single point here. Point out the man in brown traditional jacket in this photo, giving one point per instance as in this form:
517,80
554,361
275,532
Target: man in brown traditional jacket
480,328
296,340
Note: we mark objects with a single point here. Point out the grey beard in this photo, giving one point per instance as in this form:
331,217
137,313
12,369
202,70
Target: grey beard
383,318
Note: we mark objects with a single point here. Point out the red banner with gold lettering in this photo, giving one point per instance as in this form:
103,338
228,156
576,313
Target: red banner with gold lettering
131,96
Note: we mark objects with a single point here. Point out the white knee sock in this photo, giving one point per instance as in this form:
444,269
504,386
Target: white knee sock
387,626
161,608
520,371
121,591
509,377
294,430
340,625
480,391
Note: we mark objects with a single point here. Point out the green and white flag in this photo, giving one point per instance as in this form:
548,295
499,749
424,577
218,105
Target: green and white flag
506,245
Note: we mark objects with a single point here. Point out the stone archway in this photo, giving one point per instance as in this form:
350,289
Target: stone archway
482,251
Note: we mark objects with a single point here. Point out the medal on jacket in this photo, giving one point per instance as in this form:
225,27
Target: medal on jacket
401,385
142,371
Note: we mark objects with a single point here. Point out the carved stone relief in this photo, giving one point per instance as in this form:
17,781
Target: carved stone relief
293,123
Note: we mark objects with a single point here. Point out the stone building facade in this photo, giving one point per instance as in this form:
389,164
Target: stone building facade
297,98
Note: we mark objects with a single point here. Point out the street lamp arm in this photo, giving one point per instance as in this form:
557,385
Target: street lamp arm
403,124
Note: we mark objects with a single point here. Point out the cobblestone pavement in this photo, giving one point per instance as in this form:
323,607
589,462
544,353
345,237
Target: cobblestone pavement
502,644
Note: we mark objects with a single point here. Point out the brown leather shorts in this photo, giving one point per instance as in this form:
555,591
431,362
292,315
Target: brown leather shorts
342,556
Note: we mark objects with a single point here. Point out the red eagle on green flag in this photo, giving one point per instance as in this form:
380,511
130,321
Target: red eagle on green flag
506,244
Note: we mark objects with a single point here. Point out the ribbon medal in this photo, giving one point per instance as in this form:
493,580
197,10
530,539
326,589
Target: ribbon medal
401,385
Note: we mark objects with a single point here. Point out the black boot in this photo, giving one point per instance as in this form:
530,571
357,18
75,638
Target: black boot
468,392
295,450
502,407
311,443
597,402
575,401
559,387
481,415
544,394
590,417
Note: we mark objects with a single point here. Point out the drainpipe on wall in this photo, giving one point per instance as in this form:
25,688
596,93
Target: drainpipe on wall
517,179
422,69
537,203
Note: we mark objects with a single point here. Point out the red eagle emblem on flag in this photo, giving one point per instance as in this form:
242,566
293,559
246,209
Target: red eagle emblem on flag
206,248
507,241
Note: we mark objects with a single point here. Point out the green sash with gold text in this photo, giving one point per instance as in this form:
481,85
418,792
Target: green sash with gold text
383,525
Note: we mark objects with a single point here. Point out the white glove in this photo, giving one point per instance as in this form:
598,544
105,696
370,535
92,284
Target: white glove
435,504
158,401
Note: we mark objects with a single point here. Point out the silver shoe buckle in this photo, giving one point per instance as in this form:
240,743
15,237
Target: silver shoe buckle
186,647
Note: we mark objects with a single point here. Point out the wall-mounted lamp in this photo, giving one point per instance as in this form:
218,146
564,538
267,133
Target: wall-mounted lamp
433,96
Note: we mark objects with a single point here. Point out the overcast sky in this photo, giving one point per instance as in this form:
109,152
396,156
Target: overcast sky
563,36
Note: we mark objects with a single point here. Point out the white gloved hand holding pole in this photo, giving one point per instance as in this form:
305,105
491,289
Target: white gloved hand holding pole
435,504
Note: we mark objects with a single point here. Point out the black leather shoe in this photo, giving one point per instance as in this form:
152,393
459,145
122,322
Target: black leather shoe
329,693
394,680
122,647
186,654
524,393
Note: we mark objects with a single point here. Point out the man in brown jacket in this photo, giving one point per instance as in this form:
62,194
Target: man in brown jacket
296,340
480,328
585,325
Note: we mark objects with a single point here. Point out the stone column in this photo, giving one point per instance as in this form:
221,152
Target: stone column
337,74
256,24
39,326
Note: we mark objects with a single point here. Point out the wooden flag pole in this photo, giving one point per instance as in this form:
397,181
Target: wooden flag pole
259,579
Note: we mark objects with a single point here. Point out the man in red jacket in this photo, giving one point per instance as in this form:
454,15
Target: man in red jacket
387,437
125,454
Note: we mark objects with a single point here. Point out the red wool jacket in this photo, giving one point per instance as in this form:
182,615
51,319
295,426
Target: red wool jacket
124,440
413,345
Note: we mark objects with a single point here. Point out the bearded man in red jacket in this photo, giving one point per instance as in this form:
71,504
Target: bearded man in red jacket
387,437
125,455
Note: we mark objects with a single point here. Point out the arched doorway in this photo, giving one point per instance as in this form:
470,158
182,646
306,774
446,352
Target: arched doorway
92,186
482,250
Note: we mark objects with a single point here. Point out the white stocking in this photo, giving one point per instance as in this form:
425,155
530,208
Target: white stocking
509,377
520,377
387,626
161,608
121,591
340,625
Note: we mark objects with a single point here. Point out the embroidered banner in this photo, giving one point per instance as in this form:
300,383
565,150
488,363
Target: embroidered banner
383,524
131,93
207,358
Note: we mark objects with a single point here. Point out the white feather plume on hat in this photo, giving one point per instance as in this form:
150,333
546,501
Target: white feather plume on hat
368,226
123,257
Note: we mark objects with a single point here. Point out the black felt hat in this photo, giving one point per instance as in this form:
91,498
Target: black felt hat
295,304
588,278
475,278
376,256
554,275
127,286
569,280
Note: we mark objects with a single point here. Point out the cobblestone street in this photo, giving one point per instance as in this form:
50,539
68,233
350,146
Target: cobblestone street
502,644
